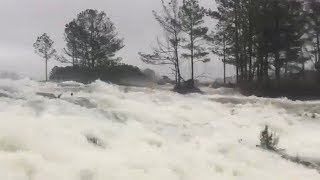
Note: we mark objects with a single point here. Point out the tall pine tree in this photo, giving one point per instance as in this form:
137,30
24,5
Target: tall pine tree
92,40
192,18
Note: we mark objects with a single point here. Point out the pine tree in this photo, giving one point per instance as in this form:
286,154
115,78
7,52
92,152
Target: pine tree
192,18
313,16
229,26
72,35
293,31
263,35
222,45
92,40
44,48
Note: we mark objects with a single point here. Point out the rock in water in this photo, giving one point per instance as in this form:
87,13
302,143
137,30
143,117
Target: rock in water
187,87
48,95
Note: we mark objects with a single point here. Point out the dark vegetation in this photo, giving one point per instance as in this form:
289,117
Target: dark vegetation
269,142
91,41
273,45
292,89
91,46
121,74
95,141
267,40
186,87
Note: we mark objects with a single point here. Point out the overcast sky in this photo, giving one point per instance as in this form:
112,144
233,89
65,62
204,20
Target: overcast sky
23,20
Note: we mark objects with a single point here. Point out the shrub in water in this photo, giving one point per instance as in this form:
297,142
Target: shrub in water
268,140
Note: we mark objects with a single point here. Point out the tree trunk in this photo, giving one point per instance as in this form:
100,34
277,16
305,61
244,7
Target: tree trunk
237,72
178,68
318,47
237,42
260,61
192,60
266,68
224,59
277,66
46,69
242,70
192,55
224,72
286,66
277,62
176,51
250,41
246,72
286,70
176,73
258,72
73,54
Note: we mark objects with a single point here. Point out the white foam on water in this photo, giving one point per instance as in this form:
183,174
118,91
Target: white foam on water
149,134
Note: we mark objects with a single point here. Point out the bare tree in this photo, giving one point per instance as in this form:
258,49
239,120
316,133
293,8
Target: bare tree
167,52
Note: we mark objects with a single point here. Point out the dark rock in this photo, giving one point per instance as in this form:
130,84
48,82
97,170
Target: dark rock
186,88
217,85
95,141
165,80
48,95
4,95
83,102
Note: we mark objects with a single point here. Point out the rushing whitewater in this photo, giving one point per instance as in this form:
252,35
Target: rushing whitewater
109,132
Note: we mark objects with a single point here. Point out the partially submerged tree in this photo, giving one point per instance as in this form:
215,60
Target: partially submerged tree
192,23
268,140
167,50
44,48
92,40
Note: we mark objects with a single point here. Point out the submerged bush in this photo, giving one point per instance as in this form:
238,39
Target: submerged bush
268,140
121,74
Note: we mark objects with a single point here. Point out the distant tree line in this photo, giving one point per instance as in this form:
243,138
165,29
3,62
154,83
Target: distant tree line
263,39
91,46
267,39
